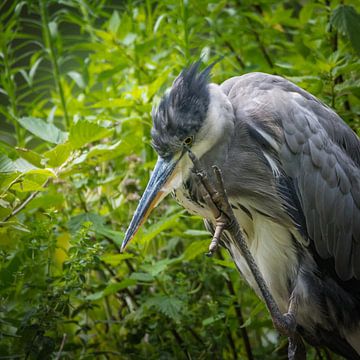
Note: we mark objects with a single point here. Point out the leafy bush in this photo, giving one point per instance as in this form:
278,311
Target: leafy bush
77,83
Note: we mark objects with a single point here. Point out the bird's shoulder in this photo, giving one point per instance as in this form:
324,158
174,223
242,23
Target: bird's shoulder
319,154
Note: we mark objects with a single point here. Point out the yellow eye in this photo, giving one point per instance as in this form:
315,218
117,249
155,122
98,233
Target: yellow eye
188,141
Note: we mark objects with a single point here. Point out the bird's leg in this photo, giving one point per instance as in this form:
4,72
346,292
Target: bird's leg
209,193
217,201
220,218
296,348
219,228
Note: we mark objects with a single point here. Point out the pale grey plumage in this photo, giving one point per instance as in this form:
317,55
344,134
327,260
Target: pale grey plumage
291,169
322,156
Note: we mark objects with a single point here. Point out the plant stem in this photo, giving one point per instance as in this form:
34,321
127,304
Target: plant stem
10,82
263,49
232,344
239,316
25,202
61,347
181,343
49,43
185,18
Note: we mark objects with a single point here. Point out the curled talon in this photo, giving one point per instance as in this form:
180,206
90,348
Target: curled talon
213,247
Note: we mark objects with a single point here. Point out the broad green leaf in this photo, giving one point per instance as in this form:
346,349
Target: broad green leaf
43,130
159,266
6,164
111,289
226,263
33,180
168,305
113,103
114,22
45,172
23,166
58,155
141,276
115,236
47,200
84,132
196,248
193,232
108,73
155,229
346,19
31,156
212,319
76,222
102,152
7,273
116,259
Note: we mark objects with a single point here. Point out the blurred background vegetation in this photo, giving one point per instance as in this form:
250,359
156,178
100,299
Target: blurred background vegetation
77,83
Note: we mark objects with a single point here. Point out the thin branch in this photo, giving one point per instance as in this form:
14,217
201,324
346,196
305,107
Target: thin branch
25,202
35,193
240,318
181,343
52,54
232,344
258,9
61,347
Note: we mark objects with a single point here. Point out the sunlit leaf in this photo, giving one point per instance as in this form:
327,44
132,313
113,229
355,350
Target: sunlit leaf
116,259
6,164
196,248
114,22
43,130
30,156
112,103
58,155
78,78
84,132
23,165
33,180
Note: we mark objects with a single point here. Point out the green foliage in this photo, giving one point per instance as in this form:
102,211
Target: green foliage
77,84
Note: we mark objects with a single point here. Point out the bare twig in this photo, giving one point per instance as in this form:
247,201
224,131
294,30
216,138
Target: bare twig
35,193
181,343
240,318
263,49
61,347
232,344
25,202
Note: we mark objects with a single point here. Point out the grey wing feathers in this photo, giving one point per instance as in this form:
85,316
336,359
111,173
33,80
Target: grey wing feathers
325,168
319,152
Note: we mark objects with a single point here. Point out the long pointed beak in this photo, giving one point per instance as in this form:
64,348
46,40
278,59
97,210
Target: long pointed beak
155,191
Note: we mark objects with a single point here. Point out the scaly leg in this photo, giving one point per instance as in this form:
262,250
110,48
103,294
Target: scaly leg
217,201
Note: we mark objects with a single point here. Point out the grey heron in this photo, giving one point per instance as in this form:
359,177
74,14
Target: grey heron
291,170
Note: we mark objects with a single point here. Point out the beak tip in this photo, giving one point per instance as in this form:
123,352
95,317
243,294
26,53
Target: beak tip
124,243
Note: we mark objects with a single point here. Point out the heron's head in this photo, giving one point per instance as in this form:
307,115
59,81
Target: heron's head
187,117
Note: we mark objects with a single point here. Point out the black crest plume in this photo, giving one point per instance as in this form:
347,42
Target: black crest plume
182,111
